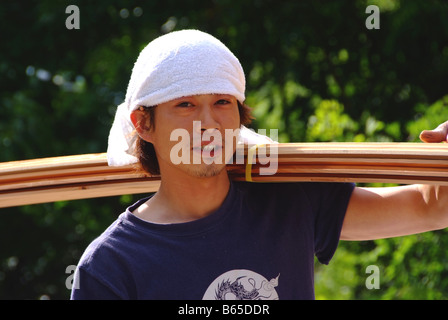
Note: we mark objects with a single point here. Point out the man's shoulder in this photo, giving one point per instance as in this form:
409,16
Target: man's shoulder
290,185
269,187
106,245
290,191
263,193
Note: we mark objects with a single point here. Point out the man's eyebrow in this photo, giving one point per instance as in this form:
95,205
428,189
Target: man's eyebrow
226,96
145,108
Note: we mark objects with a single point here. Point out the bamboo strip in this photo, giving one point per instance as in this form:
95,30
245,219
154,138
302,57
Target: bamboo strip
87,176
76,191
309,177
378,150
351,169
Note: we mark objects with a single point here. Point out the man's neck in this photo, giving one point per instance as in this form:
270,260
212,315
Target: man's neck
182,198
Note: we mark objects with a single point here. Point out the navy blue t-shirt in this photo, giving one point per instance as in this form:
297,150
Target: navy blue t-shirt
260,244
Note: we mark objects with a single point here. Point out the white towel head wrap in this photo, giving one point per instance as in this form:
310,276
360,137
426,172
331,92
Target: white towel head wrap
178,64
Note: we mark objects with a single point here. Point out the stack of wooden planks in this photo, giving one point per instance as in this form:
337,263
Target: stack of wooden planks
89,176
400,163
68,178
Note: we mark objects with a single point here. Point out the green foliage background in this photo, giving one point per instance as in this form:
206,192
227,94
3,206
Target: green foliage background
314,71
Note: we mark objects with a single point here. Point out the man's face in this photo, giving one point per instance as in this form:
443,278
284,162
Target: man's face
195,125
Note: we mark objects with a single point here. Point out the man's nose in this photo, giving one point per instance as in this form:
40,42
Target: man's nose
208,118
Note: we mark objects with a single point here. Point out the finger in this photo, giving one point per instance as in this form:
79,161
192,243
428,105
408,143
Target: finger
439,134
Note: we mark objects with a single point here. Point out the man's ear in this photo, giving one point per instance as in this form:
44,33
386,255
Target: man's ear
141,121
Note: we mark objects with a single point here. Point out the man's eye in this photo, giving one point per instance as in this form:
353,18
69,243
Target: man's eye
185,104
222,101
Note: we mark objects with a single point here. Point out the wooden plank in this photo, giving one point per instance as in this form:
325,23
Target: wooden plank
352,169
377,150
88,176
76,191
318,177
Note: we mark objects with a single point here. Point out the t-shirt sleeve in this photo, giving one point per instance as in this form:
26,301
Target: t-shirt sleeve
102,273
329,202
87,287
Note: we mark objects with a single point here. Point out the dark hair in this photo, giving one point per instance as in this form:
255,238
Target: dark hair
146,153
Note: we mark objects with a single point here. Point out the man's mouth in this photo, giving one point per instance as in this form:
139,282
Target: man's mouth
209,149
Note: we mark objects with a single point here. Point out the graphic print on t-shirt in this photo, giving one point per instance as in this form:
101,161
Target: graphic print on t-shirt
242,284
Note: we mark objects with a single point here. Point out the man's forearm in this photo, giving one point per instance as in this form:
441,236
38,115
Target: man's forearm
435,199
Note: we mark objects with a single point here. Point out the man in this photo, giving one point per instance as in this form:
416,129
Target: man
202,236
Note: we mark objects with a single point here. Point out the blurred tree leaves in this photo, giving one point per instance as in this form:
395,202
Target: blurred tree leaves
329,122
313,71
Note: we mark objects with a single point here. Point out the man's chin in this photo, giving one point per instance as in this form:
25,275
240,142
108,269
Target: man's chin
206,170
